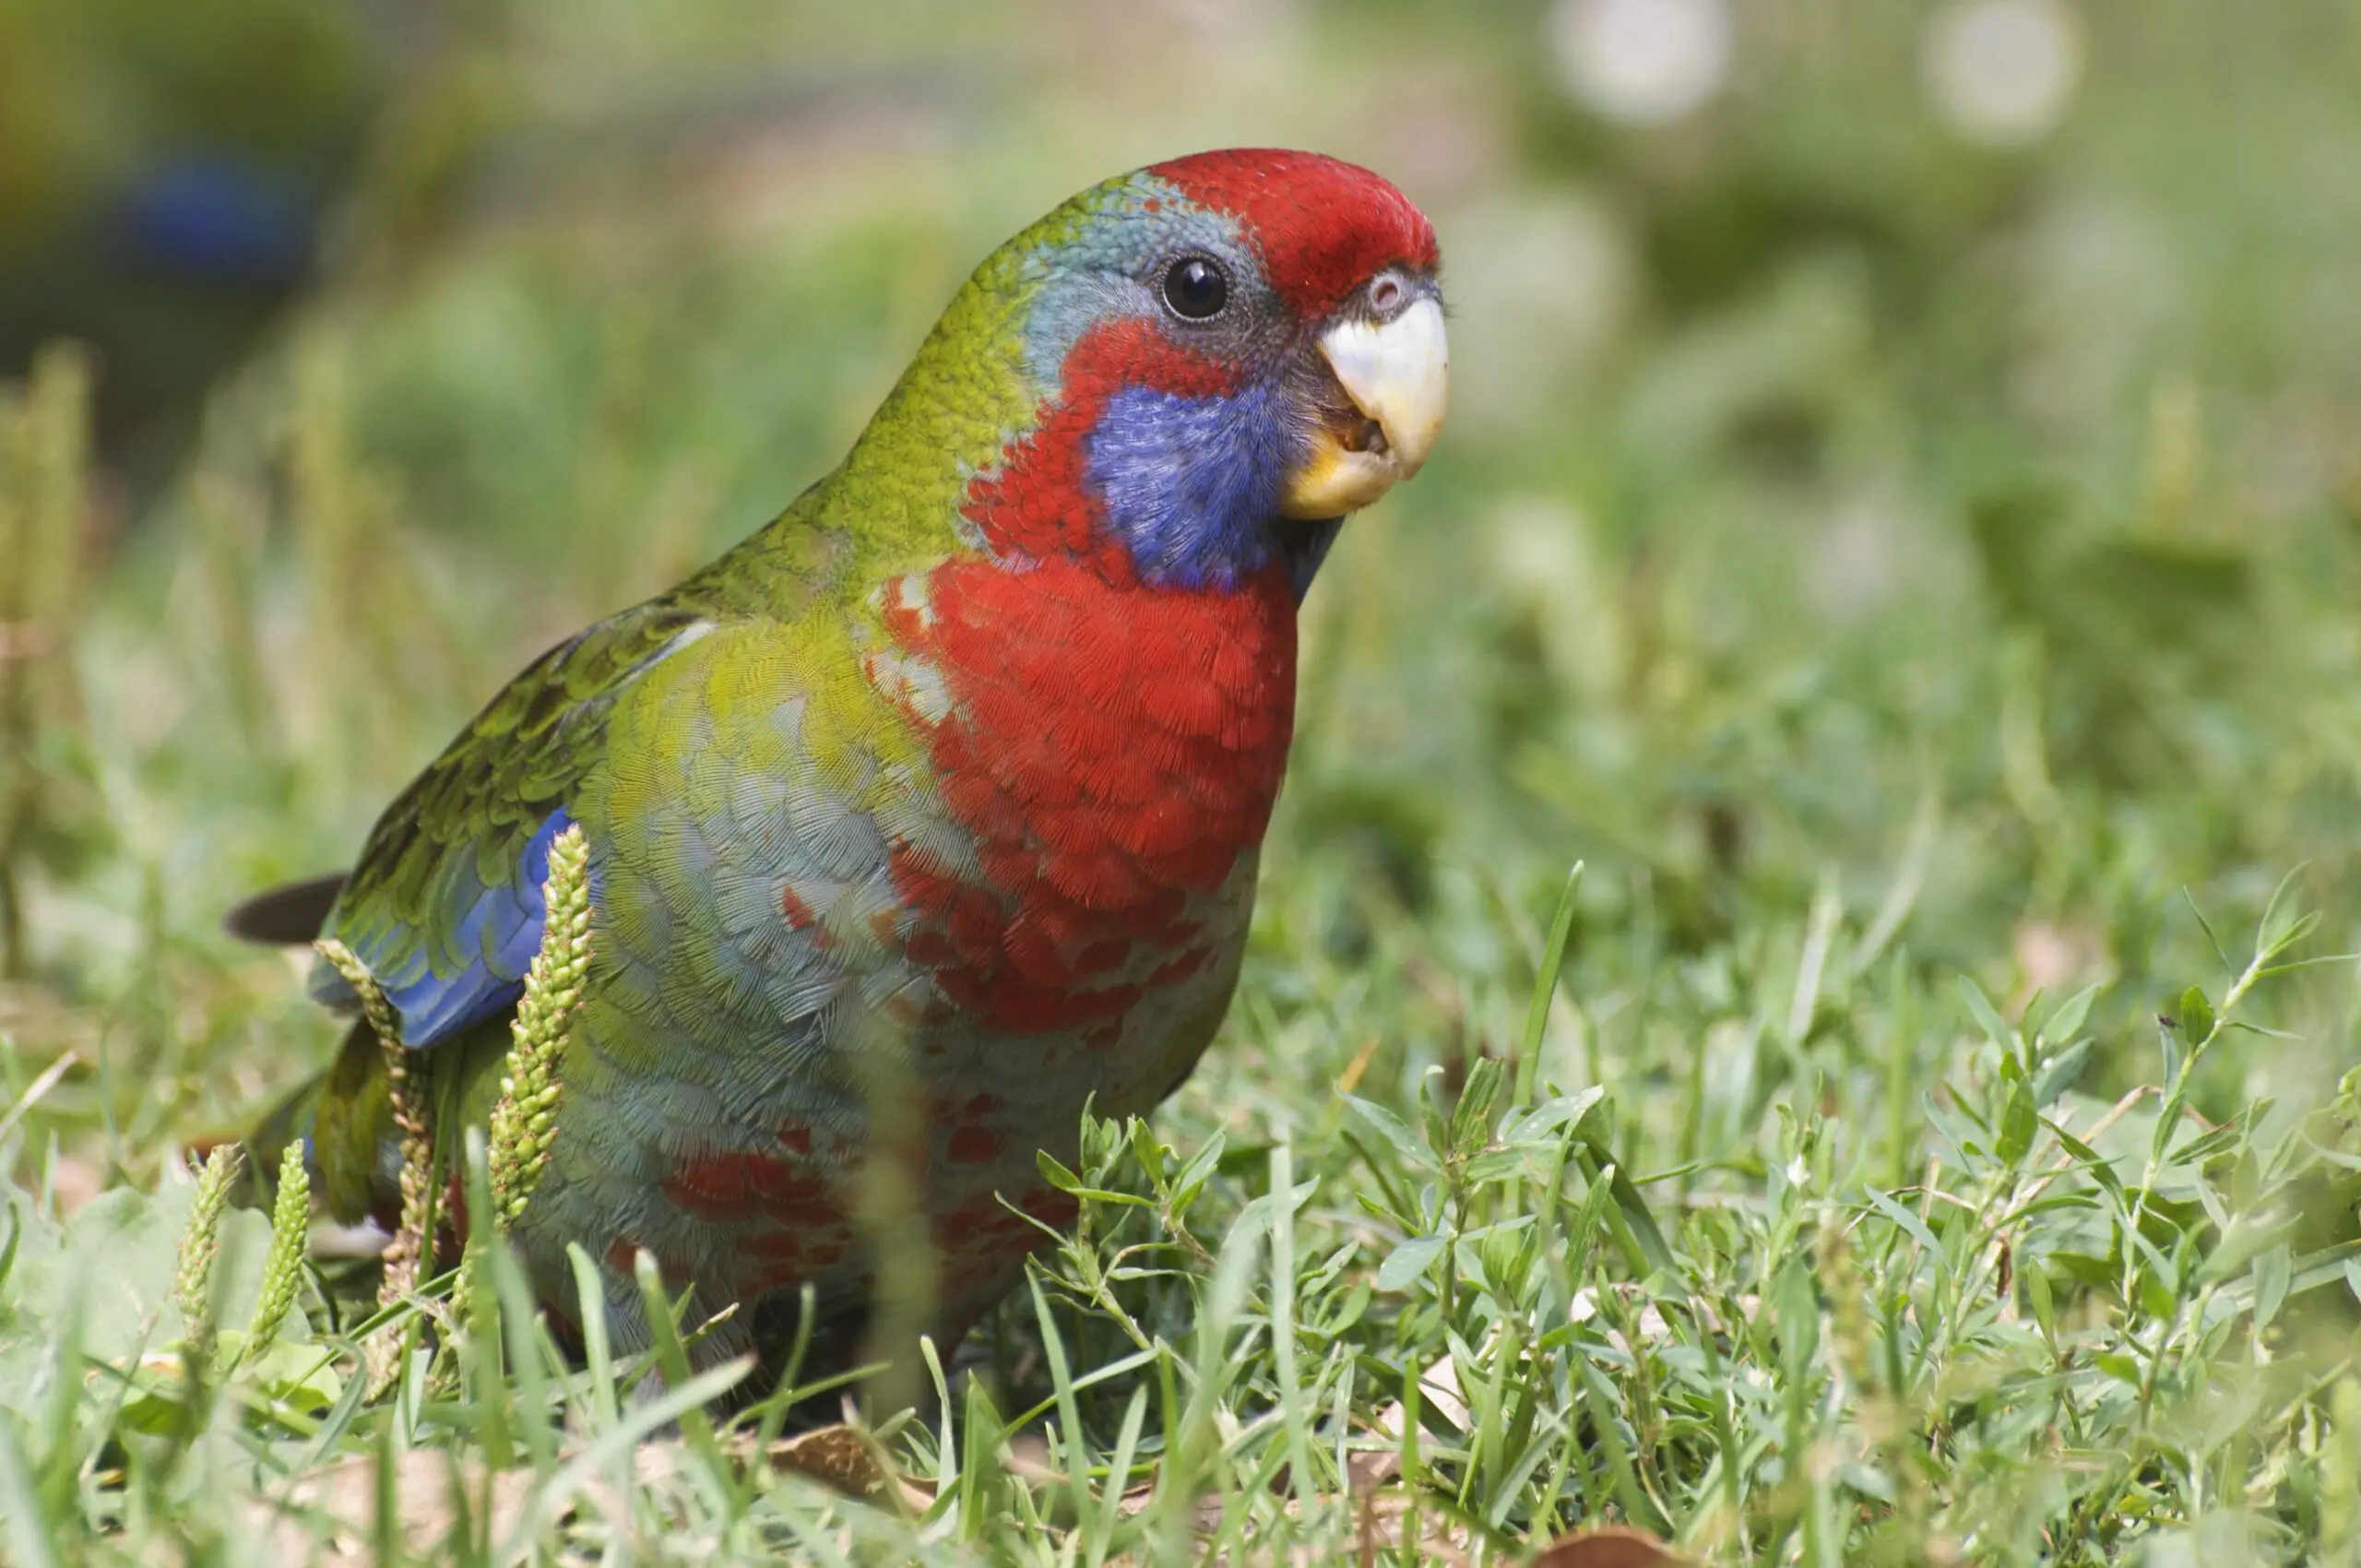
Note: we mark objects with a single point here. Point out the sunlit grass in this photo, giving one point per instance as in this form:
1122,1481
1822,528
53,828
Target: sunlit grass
1926,1128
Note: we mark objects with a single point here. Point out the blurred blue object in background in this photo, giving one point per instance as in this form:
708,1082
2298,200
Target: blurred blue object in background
166,174
219,218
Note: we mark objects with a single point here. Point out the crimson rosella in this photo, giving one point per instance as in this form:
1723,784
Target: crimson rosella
948,784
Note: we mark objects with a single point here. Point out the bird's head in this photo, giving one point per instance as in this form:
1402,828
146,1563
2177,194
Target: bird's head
1187,374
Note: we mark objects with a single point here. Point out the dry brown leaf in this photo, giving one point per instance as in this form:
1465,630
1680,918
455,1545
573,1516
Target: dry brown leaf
329,1515
1438,1386
850,1460
1028,1460
1653,1329
1383,1521
1369,1468
1610,1546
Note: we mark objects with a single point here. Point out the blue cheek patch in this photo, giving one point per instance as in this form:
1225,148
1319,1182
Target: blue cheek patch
1192,484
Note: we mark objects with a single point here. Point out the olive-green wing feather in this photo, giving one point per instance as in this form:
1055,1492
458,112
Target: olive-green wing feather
444,905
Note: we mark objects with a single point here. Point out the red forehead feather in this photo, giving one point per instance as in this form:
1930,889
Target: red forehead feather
1324,226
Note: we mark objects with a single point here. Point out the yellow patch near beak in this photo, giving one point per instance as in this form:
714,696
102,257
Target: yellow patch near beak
1398,375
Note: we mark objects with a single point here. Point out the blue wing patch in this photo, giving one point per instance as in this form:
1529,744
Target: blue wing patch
440,982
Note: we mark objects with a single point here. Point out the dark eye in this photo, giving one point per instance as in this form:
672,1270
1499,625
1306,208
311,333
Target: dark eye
1196,288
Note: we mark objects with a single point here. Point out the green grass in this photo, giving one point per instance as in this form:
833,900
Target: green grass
1915,584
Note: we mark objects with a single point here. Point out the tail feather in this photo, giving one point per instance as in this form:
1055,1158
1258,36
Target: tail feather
289,915
343,1120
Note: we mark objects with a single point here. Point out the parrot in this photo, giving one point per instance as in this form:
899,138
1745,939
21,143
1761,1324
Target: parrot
928,816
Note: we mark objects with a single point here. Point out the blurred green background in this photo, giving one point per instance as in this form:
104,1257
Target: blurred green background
1901,454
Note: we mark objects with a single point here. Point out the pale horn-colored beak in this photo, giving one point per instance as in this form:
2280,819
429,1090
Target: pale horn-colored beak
1398,374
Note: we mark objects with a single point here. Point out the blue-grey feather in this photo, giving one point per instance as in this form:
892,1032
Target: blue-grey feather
1192,484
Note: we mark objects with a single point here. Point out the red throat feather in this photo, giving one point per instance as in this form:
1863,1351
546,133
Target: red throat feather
1114,750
